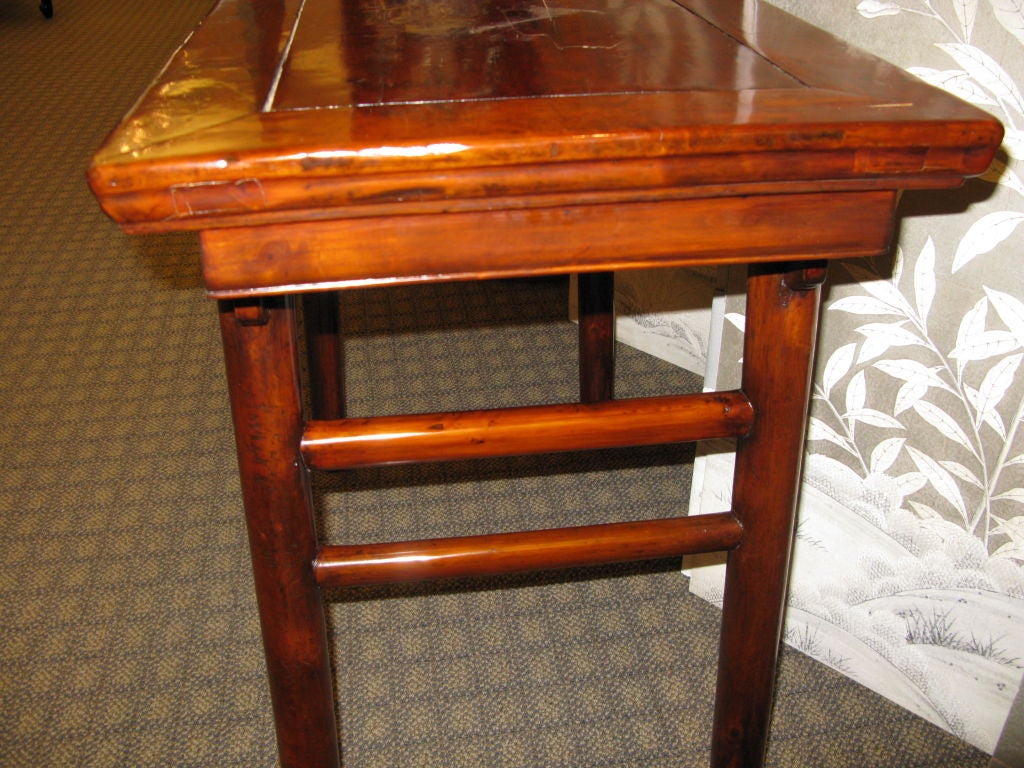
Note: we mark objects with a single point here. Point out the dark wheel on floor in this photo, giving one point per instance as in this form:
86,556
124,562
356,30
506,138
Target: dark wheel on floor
46,6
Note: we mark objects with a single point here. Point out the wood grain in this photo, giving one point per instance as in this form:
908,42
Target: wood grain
381,440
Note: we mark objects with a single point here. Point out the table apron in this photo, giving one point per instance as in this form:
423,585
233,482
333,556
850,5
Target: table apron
345,253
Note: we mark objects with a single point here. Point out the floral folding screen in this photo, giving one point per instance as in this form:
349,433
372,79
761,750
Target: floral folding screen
909,564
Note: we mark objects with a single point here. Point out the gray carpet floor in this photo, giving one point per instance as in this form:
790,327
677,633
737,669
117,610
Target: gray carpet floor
128,632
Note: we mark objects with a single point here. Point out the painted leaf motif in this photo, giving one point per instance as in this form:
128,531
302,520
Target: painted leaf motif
1010,310
924,280
911,482
1000,173
863,305
874,418
884,454
819,430
985,345
897,265
984,235
940,479
1019,459
872,348
872,9
992,417
971,340
1011,15
1014,494
925,512
996,382
994,420
1014,528
966,12
956,82
837,367
909,393
893,333
883,290
971,324
911,370
987,71
943,422
856,392
958,469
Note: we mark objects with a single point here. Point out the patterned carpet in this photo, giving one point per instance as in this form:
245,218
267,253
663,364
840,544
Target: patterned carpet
128,632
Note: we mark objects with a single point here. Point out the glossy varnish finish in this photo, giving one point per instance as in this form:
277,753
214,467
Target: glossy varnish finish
331,144
558,238
385,440
289,107
261,357
428,51
360,564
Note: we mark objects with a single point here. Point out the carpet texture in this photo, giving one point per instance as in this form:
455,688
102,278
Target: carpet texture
128,631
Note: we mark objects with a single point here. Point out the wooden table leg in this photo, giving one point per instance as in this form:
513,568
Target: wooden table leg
782,313
323,342
596,302
261,354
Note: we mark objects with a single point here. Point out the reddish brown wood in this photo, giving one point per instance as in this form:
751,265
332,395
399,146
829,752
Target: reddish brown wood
382,440
361,564
323,342
261,355
352,100
595,293
806,277
281,258
778,349
522,187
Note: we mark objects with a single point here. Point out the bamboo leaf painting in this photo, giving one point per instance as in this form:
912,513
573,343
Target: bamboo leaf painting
863,305
1014,494
996,382
1010,310
875,418
954,81
819,430
942,481
984,345
908,395
856,393
884,454
988,72
837,367
912,371
962,472
984,235
943,422
966,12
879,338
1010,13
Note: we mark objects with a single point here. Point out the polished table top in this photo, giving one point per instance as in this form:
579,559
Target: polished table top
283,110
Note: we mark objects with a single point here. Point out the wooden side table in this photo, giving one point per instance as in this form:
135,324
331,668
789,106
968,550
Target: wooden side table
324,146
